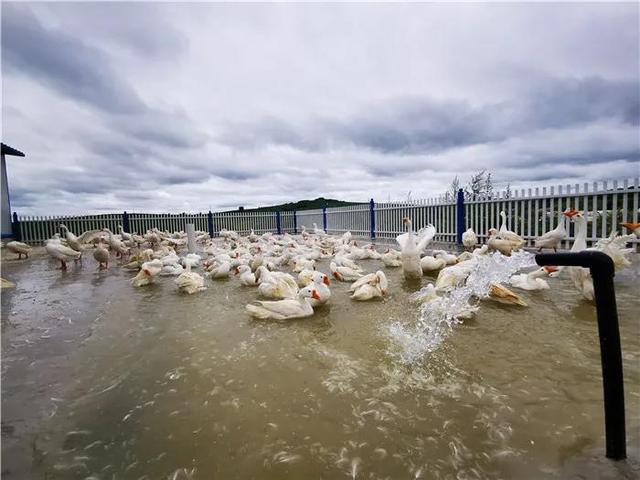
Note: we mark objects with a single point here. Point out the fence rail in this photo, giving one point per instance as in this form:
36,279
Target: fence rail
530,213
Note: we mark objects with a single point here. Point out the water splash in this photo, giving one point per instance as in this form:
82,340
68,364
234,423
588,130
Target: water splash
437,318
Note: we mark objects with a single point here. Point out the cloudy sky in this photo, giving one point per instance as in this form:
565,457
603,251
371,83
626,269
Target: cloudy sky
186,107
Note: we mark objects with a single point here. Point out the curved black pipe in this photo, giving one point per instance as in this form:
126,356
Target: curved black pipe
602,271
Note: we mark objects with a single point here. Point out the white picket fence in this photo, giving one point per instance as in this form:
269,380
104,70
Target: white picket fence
440,212
534,211
243,222
141,222
530,213
35,230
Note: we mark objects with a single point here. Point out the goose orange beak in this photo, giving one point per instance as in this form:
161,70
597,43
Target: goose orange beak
570,212
326,281
336,275
630,226
315,295
550,269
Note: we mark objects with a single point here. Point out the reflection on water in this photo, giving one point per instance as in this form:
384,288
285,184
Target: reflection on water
101,380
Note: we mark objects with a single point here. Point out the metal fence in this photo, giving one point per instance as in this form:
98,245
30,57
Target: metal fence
439,212
534,211
530,213
35,230
141,222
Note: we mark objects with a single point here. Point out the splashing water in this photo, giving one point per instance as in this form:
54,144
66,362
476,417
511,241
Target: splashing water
437,318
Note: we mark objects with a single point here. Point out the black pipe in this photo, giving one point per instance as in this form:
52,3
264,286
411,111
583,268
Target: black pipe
602,272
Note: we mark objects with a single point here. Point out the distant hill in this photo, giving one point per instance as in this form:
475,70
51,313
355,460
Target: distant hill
303,205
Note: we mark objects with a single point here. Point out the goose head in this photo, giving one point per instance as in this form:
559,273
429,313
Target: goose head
570,213
382,281
319,277
309,292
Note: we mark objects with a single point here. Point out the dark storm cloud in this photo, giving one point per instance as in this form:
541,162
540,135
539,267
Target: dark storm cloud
421,125
565,102
164,129
144,31
64,63
79,71
239,175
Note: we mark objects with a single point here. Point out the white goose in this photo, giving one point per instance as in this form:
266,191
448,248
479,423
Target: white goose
318,231
494,243
72,240
115,244
172,270
19,248
455,275
410,255
289,308
633,228
101,255
344,274
342,261
581,276
247,277
499,293
61,252
469,239
449,258
552,238
391,258
320,283
532,280
429,264
191,260
614,246
302,263
504,233
190,282
305,277
124,235
147,273
276,284
220,270
252,237
373,285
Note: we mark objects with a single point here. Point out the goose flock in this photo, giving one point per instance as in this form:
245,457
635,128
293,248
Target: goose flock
259,260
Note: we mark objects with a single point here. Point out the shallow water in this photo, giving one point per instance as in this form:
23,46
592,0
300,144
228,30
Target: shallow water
101,380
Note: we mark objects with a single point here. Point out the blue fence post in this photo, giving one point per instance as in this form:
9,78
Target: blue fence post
278,224
210,223
125,221
461,220
324,219
295,222
15,228
372,219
